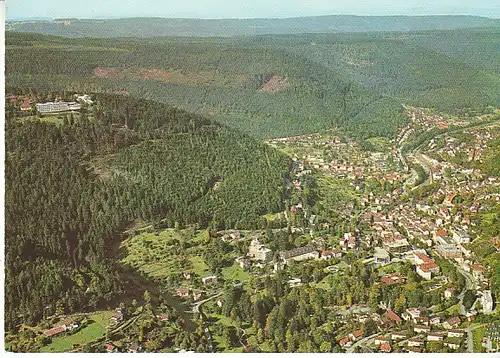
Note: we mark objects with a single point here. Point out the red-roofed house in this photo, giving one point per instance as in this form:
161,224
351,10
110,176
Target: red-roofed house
162,317
393,279
478,271
53,331
449,292
415,342
109,348
116,317
392,316
421,258
26,106
326,254
452,322
345,342
426,270
455,333
355,335
385,347
183,292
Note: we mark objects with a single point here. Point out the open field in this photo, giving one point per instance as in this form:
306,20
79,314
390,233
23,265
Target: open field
235,273
477,336
163,254
56,119
96,329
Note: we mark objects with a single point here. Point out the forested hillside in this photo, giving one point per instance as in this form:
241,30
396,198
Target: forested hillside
146,27
271,86
71,190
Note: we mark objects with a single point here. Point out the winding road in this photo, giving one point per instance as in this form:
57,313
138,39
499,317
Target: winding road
361,342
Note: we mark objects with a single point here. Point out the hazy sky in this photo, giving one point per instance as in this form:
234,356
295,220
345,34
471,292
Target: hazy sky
21,9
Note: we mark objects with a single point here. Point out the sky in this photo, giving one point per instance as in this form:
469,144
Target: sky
210,9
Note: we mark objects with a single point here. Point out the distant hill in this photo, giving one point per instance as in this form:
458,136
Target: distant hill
277,85
146,27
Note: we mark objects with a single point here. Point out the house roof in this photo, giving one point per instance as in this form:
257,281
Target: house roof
393,279
53,331
453,320
441,233
344,341
357,333
450,197
400,334
478,268
117,315
297,252
109,347
435,335
421,327
162,316
390,314
423,257
429,266
385,347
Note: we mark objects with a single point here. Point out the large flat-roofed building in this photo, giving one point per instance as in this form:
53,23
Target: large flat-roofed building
51,107
299,254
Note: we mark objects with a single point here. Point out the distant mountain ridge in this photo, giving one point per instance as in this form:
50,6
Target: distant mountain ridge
148,27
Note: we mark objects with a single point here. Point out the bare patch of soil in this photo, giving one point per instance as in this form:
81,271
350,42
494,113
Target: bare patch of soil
154,74
106,72
275,84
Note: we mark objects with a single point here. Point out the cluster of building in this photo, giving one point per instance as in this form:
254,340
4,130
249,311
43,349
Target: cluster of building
424,329
25,104
68,326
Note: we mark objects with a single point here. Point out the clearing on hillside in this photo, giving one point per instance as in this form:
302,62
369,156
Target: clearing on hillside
274,84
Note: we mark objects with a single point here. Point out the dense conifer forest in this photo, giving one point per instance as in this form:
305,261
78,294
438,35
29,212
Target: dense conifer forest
71,189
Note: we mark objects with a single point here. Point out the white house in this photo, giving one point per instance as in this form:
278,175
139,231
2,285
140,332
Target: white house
461,236
435,337
455,333
415,342
381,256
209,279
381,339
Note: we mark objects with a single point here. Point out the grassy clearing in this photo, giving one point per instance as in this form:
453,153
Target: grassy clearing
56,119
323,284
235,273
477,336
274,217
334,190
380,144
200,268
169,252
153,254
95,330
455,309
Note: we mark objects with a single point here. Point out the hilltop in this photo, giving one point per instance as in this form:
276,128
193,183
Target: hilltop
277,85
